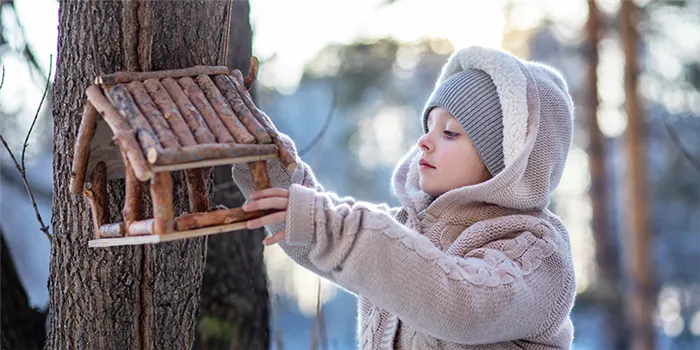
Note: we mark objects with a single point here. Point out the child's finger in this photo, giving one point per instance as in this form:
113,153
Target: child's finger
270,192
276,218
274,239
279,203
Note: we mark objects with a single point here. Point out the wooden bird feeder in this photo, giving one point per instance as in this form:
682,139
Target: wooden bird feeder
154,123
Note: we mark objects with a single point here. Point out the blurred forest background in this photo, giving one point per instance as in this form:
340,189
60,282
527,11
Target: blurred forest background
630,195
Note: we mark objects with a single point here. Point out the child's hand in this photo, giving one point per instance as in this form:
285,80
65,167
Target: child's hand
275,200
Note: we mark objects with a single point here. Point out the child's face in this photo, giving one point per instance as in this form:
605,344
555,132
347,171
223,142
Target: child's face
449,159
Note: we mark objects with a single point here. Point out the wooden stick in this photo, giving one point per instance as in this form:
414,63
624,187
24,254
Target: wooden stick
152,239
125,77
242,112
195,95
113,230
231,117
192,114
212,162
123,134
197,189
190,130
133,195
122,101
82,148
150,111
252,73
97,196
216,217
141,227
211,151
284,155
261,178
162,198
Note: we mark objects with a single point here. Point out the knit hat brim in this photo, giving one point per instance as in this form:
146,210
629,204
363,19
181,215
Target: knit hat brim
511,85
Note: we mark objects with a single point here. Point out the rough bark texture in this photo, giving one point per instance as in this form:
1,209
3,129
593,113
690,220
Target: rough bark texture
22,327
132,297
234,286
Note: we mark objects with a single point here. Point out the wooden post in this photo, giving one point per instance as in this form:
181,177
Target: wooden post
261,178
198,189
97,196
213,218
162,198
639,262
82,147
133,195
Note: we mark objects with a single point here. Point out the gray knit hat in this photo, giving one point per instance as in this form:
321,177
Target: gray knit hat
471,97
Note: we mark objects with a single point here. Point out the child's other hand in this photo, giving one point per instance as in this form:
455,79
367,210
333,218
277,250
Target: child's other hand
274,199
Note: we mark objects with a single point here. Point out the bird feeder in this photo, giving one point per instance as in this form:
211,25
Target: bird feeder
154,123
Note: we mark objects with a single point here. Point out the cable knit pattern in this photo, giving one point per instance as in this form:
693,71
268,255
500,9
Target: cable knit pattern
480,267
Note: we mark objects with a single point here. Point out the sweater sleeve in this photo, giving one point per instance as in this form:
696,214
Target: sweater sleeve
486,295
280,177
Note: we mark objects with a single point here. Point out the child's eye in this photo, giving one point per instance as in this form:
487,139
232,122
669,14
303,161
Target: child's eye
450,134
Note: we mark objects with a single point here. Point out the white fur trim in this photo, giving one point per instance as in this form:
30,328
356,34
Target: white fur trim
511,85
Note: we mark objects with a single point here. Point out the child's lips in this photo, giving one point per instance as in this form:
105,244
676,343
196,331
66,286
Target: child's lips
425,165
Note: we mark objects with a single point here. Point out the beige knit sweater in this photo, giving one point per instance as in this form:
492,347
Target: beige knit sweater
480,267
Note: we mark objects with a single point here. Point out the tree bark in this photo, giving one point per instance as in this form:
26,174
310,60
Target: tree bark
131,297
234,286
22,326
638,257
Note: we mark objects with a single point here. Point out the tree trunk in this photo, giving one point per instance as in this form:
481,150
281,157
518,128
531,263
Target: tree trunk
638,257
607,288
131,297
234,286
22,327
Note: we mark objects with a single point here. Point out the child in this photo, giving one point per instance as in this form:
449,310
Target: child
472,259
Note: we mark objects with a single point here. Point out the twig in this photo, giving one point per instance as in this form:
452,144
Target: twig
331,112
2,80
677,141
22,168
36,115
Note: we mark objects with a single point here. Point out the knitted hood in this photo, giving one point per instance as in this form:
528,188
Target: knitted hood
537,133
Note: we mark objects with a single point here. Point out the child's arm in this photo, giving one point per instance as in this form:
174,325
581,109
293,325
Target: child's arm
484,296
281,178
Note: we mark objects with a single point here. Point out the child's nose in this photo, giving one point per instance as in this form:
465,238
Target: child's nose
424,143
